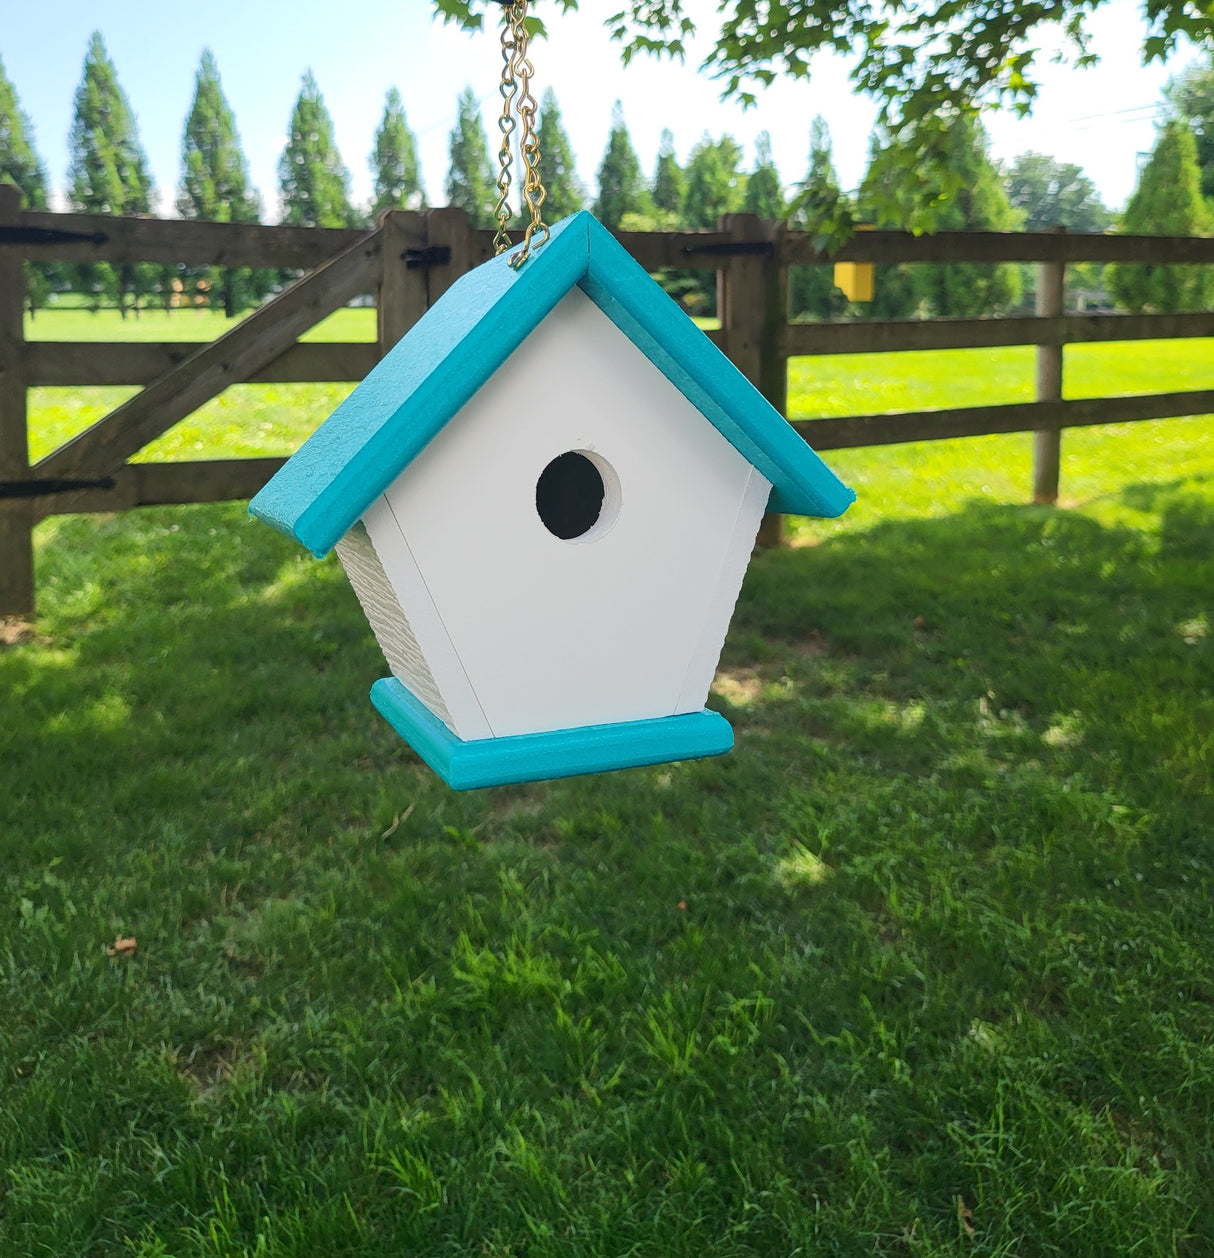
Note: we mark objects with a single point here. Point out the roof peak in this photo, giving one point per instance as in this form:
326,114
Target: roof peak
449,354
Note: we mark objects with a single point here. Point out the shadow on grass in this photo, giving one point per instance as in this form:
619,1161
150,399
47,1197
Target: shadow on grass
937,930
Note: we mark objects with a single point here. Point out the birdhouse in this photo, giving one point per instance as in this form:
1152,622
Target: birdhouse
545,497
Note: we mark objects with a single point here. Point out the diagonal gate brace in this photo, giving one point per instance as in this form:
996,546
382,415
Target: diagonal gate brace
254,343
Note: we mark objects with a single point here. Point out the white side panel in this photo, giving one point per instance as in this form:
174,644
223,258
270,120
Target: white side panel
703,666
392,630
464,715
553,633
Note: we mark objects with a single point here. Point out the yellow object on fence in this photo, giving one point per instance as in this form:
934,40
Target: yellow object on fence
855,278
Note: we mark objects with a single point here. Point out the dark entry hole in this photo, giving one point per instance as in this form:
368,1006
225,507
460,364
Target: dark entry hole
569,495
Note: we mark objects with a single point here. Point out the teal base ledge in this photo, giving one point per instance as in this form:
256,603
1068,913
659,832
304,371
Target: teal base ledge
560,753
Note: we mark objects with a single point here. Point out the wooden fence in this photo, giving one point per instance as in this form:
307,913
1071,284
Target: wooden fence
409,259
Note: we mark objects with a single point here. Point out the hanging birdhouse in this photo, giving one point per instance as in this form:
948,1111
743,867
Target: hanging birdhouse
545,497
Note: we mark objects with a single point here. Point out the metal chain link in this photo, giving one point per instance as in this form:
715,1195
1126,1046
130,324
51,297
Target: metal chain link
517,72
505,124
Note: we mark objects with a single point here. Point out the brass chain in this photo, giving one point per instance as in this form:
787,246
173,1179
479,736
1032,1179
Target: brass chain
517,72
505,124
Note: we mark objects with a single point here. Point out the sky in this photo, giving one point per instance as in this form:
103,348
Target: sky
1102,118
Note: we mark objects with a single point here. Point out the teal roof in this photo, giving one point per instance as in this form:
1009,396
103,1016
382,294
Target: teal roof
461,341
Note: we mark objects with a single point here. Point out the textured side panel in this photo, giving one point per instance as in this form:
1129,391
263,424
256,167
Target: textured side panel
392,629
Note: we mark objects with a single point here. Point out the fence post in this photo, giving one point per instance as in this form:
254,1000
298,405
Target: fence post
449,226
16,514
401,299
752,302
1047,442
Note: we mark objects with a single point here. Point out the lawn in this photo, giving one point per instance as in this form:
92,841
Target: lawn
923,967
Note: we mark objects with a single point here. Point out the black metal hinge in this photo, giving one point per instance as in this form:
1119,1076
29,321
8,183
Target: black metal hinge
735,248
48,236
432,255
37,488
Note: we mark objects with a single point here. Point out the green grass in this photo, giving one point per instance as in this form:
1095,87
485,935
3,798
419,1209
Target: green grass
244,421
178,325
929,951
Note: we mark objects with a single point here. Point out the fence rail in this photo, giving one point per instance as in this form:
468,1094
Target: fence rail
410,259
902,334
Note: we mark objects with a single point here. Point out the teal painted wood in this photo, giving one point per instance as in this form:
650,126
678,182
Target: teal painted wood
444,359
801,483
560,753
453,350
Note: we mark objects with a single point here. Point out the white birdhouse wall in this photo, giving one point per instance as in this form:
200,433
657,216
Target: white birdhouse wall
616,608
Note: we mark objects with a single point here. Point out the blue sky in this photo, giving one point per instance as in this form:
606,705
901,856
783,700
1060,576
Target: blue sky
1101,118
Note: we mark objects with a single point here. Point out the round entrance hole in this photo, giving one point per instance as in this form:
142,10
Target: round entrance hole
577,496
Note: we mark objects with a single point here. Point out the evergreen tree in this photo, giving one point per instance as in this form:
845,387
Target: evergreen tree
818,196
669,185
714,183
974,200
621,189
650,216
108,173
313,180
20,165
557,171
1049,193
215,183
470,183
812,289
1190,97
398,183
1167,202
895,289
215,175
980,204
764,192
714,187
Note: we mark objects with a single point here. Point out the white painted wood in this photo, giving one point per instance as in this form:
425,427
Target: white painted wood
703,665
388,622
464,716
549,633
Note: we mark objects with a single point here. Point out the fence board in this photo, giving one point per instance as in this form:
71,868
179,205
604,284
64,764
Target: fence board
855,431
893,247
62,363
165,484
894,335
1129,327
125,239
684,250
653,250
889,336
191,241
